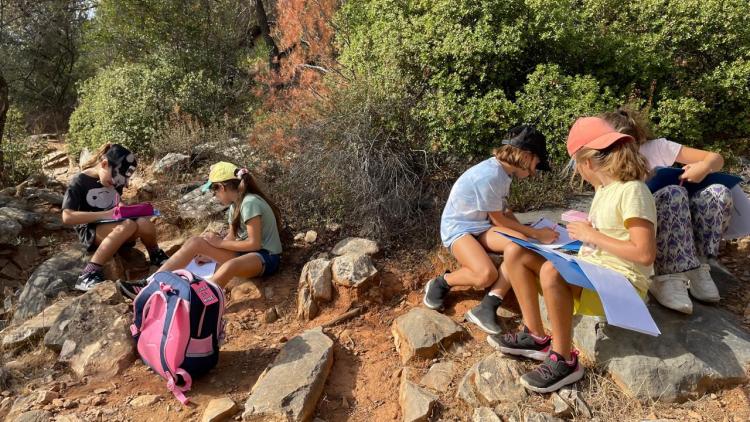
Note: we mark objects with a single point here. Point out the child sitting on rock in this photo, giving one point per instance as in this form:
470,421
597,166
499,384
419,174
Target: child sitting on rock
476,209
620,235
92,195
690,227
251,248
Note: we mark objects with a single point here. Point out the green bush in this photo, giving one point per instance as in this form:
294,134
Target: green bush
128,104
20,159
681,119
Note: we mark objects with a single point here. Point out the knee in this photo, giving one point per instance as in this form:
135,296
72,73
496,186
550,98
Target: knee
145,225
721,193
194,244
672,192
127,228
512,253
548,276
486,277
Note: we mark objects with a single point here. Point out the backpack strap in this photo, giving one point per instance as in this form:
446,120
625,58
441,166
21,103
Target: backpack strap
179,390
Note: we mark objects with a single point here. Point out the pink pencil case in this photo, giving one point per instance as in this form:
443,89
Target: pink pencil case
144,209
573,215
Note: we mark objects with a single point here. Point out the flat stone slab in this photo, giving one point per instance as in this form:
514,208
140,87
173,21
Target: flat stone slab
33,329
219,410
423,333
416,402
353,270
439,376
356,245
289,389
491,381
695,353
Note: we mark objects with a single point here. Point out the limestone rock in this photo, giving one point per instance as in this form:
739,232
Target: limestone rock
484,414
24,218
197,205
532,416
307,309
9,230
44,195
97,332
170,163
439,376
33,298
423,333
144,400
34,328
692,354
33,416
219,410
356,245
353,270
317,275
491,381
290,387
416,402
311,236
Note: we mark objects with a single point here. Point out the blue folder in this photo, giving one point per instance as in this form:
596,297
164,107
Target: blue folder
665,176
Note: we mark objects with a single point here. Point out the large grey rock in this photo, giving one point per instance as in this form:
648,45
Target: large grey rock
197,205
353,270
484,414
171,162
94,331
356,245
317,275
34,296
289,389
9,231
423,333
491,381
694,354
33,416
24,218
33,329
416,403
44,195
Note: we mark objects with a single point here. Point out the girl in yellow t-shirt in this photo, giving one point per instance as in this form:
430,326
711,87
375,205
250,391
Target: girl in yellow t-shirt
620,235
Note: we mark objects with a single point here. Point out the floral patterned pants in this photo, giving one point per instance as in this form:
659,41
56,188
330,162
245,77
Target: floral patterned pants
688,227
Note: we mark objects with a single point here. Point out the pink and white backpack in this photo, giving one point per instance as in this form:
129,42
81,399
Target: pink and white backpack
178,326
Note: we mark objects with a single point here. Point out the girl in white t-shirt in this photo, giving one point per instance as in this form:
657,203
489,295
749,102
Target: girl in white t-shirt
475,211
690,227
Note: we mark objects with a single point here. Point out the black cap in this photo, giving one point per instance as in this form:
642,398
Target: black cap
527,138
122,164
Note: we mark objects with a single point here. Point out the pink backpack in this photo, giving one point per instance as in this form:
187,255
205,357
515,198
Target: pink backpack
179,326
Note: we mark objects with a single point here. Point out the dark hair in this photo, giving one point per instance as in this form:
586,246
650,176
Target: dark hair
629,122
246,185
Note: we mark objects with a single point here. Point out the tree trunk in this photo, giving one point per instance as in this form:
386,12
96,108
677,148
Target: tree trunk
4,106
265,29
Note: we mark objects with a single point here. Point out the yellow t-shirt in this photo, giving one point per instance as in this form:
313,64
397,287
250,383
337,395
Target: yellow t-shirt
613,205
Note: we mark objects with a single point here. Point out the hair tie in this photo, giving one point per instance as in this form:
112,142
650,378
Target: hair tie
241,172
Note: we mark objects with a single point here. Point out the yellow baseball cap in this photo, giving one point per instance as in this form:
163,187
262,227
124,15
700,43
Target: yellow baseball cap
220,172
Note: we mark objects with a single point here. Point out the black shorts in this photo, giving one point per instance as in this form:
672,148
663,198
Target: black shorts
87,237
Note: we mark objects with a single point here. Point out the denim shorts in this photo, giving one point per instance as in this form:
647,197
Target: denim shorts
270,261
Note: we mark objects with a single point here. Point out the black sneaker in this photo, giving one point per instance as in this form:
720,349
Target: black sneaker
521,344
158,258
484,315
553,374
87,281
435,291
130,289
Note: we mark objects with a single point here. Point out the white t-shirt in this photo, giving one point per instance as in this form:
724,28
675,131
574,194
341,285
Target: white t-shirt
660,152
480,190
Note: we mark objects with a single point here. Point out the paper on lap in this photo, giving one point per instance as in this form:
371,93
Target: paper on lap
561,241
206,270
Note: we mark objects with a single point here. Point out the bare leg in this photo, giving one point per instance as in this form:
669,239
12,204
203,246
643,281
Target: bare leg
477,269
196,246
147,233
249,265
558,296
496,242
522,267
110,237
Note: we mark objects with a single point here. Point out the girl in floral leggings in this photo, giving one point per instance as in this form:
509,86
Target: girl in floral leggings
690,227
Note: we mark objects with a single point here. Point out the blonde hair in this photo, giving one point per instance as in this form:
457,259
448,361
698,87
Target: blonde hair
629,122
621,161
514,156
98,155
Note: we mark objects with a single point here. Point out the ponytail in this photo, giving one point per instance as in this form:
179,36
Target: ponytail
98,155
629,122
245,185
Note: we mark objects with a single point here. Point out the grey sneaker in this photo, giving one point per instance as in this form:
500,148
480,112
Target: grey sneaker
484,315
435,292
521,344
89,280
553,374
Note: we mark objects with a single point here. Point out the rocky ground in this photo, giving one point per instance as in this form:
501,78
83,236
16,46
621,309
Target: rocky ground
338,334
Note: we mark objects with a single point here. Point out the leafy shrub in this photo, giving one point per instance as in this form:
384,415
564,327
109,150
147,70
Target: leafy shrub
20,159
128,104
681,119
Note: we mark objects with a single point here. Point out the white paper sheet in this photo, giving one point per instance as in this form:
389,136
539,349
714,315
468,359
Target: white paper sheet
739,225
561,241
622,304
202,270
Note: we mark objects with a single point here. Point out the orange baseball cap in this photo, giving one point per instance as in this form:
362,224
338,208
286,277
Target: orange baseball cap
594,133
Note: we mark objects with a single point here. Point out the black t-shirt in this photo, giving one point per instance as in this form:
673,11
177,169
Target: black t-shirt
86,193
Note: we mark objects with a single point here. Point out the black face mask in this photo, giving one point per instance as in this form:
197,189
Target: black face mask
122,164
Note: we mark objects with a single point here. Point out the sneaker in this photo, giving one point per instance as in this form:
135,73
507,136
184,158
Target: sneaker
87,281
553,374
158,258
521,344
435,291
130,289
714,264
671,290
702,286
485,317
